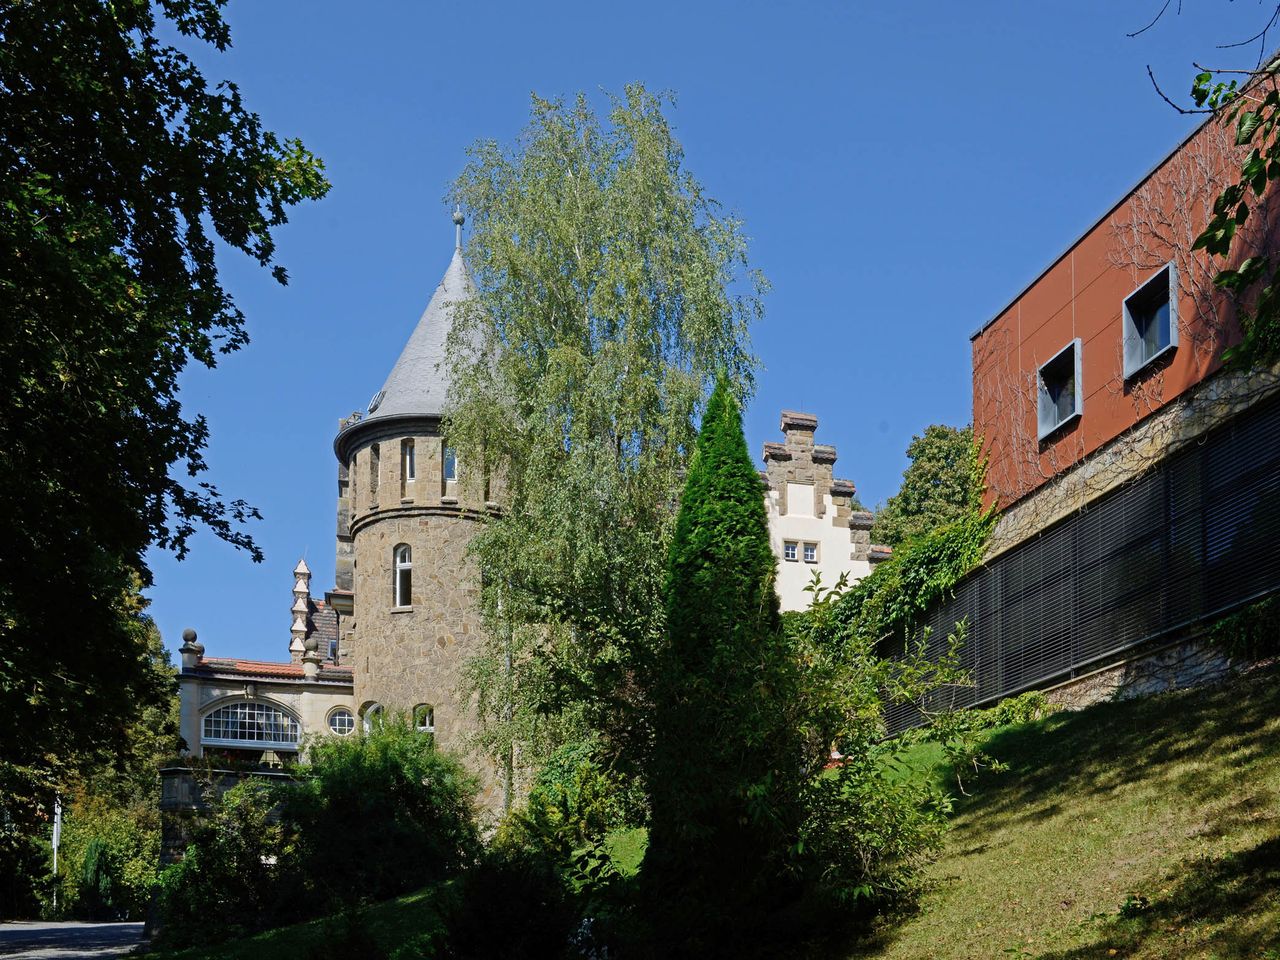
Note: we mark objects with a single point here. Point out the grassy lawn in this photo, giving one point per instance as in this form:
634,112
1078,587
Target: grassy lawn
389,924
1144,829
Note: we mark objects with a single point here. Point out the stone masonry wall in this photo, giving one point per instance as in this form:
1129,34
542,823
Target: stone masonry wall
1189,663
407,656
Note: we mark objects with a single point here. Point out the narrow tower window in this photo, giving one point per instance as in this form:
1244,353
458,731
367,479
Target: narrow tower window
403,576
373,472
450,464
410,465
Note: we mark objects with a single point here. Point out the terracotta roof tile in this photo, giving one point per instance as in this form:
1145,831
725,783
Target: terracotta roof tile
265,668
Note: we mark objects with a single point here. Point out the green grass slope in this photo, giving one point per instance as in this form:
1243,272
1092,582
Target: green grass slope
1145,829
378,929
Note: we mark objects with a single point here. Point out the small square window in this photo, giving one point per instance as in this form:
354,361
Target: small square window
1058,383
1151,320
790,550
810,553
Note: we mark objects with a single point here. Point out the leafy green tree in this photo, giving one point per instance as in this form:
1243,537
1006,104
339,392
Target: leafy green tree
941,484
611,290
121,168
231,880
112,808
725,773
381,814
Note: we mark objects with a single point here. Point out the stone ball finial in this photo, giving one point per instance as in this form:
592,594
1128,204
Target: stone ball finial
188,635
458,217
311,644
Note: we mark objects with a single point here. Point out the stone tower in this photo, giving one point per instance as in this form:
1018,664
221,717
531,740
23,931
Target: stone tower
406,513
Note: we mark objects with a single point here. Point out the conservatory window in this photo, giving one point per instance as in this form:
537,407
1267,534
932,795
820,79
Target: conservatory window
250,724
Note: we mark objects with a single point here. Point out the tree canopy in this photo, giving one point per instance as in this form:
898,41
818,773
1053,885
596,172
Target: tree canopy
941,484
121,168
611,290
725,775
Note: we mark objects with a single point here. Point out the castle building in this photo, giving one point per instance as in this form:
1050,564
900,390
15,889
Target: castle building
815,526
402,618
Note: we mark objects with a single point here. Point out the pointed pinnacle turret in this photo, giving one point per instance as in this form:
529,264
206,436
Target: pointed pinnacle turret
419,382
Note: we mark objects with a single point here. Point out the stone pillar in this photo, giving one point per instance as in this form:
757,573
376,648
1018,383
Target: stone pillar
189,692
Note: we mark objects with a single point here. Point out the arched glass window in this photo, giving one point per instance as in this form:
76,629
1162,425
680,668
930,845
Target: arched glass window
424,718
250,724
342,721
403,584
372,717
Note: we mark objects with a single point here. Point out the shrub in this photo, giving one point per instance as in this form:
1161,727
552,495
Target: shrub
1250,634
230,881
869,831
573,803
381,814
109,858
513,904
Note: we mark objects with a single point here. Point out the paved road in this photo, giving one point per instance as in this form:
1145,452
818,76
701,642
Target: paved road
68,941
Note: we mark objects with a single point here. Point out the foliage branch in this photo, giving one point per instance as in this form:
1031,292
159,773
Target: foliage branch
1254,109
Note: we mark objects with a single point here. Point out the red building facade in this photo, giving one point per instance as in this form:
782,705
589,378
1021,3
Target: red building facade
1124,322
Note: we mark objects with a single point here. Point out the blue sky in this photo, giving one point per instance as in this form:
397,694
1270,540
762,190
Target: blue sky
903,169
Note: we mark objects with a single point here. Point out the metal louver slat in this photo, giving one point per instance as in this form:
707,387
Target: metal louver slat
1193,537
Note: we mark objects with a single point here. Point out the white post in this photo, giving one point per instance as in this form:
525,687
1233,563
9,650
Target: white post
57,838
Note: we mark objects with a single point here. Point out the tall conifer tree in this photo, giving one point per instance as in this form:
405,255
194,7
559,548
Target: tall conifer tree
723,776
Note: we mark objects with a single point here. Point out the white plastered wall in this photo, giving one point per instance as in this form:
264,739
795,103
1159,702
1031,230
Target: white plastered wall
799,525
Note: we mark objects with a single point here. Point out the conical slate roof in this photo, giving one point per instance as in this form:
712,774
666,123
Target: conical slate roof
418,384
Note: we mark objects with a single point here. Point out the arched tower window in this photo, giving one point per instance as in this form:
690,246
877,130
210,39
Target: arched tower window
424,718
403,584
371,717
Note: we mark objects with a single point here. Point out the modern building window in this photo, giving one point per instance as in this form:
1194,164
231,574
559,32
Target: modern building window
409,458
810,553
342,721
251,724
1151,320
790,550
450,464
371,717
1058,382
403,575
424,718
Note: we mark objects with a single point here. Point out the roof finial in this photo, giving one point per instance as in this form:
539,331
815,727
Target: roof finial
458,221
